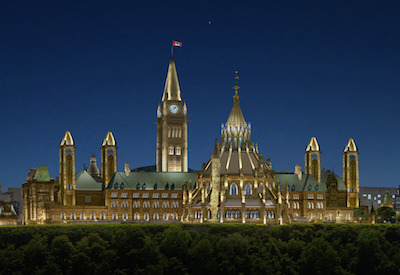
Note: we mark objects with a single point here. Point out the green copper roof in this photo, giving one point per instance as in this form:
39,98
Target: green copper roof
149,179
326,174
42,174
359,212
307,183
84,181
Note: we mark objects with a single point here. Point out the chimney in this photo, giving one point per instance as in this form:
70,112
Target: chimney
127,170
297,170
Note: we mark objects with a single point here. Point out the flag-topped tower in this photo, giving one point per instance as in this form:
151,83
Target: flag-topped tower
171,152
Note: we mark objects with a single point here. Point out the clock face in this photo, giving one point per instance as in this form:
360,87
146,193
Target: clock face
173,109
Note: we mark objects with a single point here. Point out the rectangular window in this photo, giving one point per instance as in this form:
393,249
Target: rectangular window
145,195
379,195
135,195
320,197
124,195
374,198
174,195
114,195
88,199
379,201
164,195
310,196
369,196
296,196
364,195
156,195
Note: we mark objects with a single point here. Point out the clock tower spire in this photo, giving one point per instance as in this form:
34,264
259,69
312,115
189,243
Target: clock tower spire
171,152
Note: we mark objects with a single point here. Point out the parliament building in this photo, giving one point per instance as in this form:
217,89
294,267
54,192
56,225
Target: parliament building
236,185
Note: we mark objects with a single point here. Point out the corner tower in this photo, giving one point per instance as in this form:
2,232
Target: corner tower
350,173
172,145
108,158
313,159
67,170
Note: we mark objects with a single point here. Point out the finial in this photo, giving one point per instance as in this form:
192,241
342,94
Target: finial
236,87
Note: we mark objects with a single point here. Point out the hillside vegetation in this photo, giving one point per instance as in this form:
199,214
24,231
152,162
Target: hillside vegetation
200,249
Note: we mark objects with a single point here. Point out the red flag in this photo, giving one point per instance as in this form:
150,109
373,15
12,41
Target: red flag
176,44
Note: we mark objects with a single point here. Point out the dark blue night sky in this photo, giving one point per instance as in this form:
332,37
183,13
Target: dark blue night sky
328,69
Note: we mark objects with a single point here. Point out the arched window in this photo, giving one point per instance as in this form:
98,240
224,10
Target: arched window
252,214
155,186
260,188
237,214
176,204
175,216
178,151
73,217
146,216
249,189
219,214
209,214
234,189
228,214
102,216
272,214
155,216
171,150
347,217
309,187
138,186
319,216
62,216
167,186
329,216
143,186
165,216
294,205
257,214
92,216
136,217
114,216
83,217
116,185
172,186
247,214
125,216
310,216
293,188
122,186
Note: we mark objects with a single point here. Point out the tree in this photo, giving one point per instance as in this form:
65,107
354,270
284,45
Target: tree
386,214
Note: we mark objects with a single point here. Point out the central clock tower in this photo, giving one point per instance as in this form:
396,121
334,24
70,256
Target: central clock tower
172,152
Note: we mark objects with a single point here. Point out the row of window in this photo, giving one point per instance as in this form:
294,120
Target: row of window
156,204
114,195
248,189
174,132
136,216
174,151
235,214
310,205
309,196
142,187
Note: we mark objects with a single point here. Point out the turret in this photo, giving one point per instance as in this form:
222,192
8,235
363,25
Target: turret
67,170
313,159
351,173
108,158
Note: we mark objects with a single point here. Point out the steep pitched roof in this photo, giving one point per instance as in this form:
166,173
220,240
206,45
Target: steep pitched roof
172,91
42,174
67,140
351,146
307,183
313,145
149,179
109,140
84,181
236,118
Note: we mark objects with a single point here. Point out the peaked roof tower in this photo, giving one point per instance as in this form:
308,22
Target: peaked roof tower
351,146
172,90
67,140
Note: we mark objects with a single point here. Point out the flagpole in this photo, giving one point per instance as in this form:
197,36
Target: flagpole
172,51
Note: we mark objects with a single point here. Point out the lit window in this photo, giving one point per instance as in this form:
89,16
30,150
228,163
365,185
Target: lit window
73,217
125,216
165,216
234,189
92,216
209,214
115,216
237,214
136,217
146,216
102,216
83,217
175,216
155,216
171,151
248,189
62,216
178,151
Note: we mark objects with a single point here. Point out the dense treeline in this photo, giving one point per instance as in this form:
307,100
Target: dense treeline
200,249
